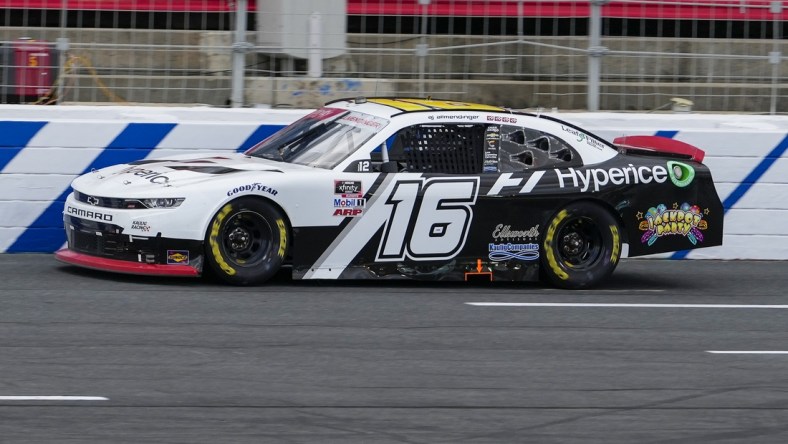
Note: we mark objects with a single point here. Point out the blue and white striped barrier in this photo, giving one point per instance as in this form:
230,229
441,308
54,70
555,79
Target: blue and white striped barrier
43,148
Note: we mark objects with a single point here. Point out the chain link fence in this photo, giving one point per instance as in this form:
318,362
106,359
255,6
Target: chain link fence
628,55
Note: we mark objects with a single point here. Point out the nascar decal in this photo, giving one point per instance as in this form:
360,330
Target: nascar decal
422,219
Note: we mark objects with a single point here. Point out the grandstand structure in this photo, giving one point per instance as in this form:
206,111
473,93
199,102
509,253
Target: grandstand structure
623,55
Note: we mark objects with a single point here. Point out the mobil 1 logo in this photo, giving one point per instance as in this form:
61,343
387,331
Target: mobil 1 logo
427,219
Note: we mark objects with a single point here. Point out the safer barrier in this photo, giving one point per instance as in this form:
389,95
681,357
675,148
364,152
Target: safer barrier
43,148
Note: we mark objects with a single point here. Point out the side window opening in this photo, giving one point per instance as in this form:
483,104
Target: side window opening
475,148
439,148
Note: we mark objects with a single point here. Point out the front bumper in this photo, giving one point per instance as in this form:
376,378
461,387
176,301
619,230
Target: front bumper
119,266
104,246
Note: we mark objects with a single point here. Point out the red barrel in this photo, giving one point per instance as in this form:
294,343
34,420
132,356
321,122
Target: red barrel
33,62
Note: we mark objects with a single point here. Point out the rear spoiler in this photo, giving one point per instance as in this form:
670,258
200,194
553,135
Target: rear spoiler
658,145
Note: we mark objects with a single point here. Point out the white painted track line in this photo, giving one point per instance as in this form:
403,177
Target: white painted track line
53,398
748,352
604,305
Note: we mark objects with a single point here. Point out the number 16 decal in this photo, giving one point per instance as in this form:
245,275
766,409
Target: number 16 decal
429,219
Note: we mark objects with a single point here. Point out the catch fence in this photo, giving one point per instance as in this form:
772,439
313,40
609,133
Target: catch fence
627,55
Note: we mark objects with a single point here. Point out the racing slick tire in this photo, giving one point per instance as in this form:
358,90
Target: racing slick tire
247,241
582,246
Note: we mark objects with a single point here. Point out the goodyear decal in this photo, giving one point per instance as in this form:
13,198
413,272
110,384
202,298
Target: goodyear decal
282,237
616,244
548,245
214,244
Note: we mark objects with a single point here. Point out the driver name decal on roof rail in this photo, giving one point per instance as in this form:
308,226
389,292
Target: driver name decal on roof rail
454,117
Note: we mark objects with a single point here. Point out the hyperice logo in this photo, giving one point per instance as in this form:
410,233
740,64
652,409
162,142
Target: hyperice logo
685,220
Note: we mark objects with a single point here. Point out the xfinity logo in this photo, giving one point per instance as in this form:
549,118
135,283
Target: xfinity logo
88,214
347,188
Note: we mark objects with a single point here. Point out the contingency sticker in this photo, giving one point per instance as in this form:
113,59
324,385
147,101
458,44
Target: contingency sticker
492,143
177,257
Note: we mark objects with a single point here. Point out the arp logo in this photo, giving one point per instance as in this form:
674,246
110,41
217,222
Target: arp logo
352,212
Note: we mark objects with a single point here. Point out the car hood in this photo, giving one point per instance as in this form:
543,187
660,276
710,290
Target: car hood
162,175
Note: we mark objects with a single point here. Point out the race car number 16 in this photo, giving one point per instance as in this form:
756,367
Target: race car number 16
433,227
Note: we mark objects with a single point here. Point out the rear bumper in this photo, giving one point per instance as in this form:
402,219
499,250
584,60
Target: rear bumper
121,266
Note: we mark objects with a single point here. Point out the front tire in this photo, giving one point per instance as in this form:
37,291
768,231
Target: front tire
581,247
247,241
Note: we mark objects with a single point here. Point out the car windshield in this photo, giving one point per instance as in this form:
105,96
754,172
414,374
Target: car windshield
322,139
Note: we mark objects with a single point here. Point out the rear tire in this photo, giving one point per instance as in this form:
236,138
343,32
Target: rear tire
581,247
247,242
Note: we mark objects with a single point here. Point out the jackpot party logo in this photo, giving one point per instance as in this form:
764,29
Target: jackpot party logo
685,220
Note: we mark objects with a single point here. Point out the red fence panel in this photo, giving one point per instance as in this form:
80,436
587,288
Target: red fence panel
755,10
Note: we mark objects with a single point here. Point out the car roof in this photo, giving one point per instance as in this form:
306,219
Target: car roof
411,108
391,106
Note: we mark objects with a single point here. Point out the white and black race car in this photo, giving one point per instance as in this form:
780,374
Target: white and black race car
385,188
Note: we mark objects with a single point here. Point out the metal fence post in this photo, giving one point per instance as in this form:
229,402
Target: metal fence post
422,48
314,52
240,48
62,46
775,56
595,53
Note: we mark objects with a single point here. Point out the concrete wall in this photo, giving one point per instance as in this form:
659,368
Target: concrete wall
43,148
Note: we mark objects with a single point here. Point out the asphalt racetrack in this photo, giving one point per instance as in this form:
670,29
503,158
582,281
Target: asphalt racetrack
666,352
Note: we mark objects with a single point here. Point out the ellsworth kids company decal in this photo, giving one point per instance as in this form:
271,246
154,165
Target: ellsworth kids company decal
682,220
